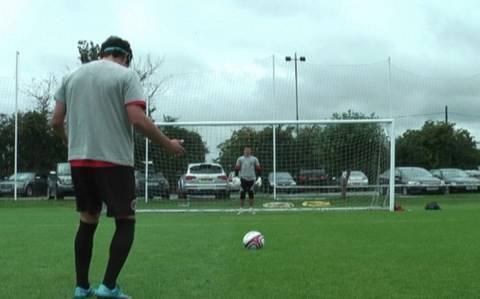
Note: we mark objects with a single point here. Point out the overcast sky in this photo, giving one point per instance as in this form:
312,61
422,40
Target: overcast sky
225,49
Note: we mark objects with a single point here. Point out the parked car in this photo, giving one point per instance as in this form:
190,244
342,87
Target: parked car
474,173
456,179
204,179
313,177
412,180
157,184
233,182
283,180
357,179
59,183
28,184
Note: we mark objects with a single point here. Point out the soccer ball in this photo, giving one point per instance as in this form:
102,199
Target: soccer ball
253,240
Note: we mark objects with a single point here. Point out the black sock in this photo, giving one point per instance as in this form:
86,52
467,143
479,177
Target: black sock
119,248
83,252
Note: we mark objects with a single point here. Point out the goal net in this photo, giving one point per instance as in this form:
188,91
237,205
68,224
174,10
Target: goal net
329,164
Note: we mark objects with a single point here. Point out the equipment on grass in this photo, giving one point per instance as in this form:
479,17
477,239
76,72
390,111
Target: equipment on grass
432,206
253,240
316,204
278,205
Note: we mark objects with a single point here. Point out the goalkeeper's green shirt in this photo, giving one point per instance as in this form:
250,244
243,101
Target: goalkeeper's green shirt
96,95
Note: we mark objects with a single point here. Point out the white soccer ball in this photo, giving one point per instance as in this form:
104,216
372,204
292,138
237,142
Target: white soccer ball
253,240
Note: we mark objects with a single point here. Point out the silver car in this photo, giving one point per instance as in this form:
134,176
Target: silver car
357,179
204,179
60,182
234,182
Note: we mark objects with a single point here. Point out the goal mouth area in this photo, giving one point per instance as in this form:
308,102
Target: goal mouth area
300,161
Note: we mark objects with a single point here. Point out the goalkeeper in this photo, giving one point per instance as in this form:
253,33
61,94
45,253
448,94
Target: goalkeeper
249,170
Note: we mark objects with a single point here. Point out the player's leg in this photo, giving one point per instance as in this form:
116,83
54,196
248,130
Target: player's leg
251,196
118,186
89,205
243,191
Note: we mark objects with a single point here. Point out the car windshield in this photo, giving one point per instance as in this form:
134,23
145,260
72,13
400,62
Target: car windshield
21,176
454,173
282,176
416,172
64,169
205,169
357,174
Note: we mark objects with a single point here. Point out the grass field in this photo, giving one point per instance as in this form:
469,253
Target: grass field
413,254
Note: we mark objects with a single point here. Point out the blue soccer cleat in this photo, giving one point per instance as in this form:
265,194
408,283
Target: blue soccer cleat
104,292
83,293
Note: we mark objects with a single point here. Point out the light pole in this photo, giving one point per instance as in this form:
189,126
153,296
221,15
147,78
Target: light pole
295,59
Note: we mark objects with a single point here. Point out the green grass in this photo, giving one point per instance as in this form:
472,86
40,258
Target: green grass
414,254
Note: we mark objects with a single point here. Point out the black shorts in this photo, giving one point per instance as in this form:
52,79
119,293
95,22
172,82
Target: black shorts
114,186
246,185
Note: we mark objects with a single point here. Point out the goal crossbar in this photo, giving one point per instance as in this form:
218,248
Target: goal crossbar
275,122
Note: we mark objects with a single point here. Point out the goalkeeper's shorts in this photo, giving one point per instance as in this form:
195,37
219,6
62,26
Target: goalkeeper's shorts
246,185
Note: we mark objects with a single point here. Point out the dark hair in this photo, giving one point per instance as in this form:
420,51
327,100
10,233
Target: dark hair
116,47
247,145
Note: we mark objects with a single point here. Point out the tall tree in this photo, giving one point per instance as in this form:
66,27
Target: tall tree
347,147
42,92
38,146
153,86
39,149
7,135
438,144
88,51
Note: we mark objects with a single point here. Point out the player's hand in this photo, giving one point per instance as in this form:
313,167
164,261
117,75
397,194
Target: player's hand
176,147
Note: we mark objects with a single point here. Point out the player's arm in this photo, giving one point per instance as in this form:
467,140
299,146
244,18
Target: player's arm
258,168
141,122
237,167
58,121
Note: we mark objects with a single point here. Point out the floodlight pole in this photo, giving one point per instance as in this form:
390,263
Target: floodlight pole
295,59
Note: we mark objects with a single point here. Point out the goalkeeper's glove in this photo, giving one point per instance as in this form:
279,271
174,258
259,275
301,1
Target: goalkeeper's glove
258,182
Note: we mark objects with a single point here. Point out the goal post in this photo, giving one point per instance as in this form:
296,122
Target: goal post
320,164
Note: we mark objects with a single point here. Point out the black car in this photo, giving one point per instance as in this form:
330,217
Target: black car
283,180
312,177
157,184
456,179
412,180
60,182
28,184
